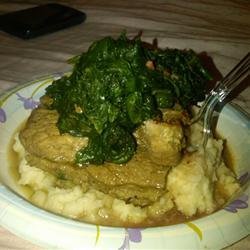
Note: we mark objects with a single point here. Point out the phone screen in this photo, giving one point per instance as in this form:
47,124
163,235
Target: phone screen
40,20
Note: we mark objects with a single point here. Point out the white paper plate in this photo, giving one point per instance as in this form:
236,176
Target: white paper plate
215,231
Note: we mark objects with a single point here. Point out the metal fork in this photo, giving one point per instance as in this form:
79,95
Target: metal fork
219,93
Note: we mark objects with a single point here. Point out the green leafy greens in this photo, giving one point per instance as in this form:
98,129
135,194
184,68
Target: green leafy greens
112,90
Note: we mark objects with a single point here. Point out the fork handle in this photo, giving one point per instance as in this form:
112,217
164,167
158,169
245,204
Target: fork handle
221,91
225,86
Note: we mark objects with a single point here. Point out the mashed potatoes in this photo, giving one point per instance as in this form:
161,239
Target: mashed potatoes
198,185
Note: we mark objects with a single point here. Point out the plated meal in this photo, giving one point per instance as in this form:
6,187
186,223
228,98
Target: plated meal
111,143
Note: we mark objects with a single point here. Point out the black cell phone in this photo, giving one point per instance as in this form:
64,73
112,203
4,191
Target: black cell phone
40,20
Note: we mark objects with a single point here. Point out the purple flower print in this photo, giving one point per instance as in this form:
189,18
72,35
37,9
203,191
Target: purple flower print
244,179
133,235
2,115
239,203
28,103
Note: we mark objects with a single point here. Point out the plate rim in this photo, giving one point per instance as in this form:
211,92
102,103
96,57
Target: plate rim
234,107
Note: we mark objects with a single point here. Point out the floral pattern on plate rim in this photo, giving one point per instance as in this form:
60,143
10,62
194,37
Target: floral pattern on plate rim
242,201
28,102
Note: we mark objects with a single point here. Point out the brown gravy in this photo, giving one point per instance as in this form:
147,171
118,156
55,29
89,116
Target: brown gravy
14,161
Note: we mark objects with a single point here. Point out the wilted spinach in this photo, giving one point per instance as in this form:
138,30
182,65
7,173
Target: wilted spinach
111,91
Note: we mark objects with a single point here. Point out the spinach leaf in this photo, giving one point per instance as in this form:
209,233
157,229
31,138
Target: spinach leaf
111,91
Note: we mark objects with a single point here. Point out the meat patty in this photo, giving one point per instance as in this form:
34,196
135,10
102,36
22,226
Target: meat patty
140,181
